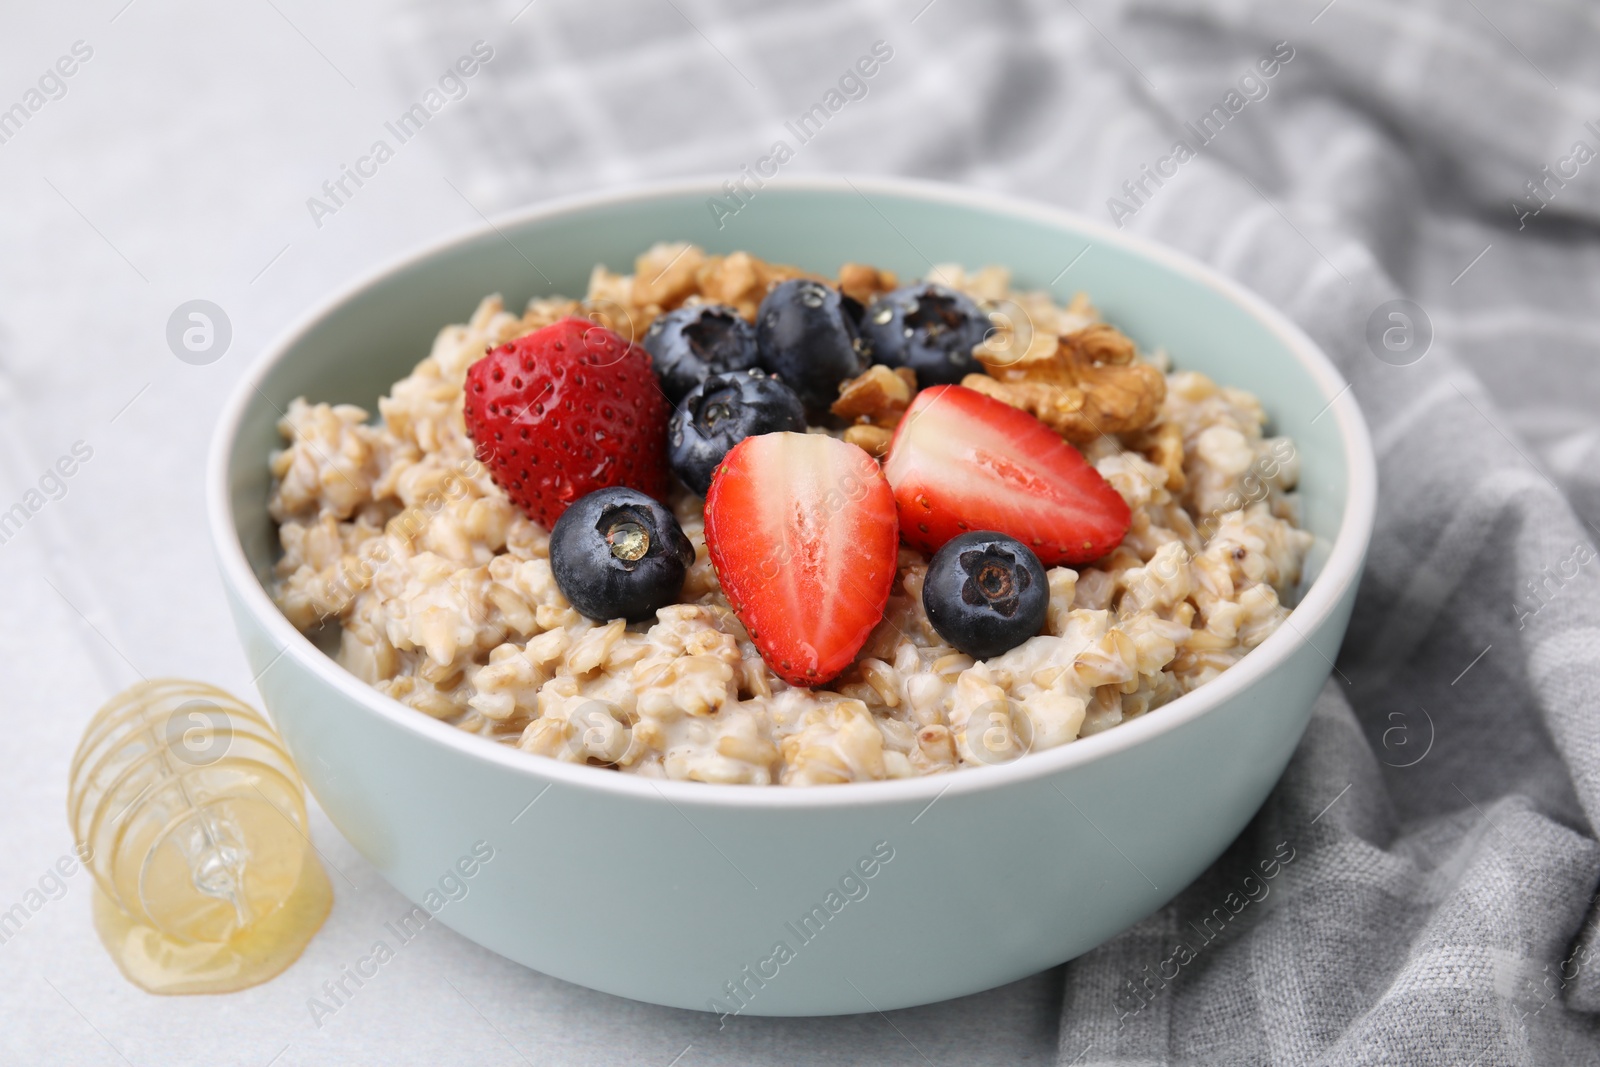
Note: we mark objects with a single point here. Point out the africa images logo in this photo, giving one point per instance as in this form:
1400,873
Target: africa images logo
852,885
339,190
1251,86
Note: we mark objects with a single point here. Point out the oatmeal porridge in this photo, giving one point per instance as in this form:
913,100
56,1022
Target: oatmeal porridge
435,568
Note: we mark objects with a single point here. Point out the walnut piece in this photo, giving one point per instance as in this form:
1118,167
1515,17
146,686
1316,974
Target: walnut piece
863,283
741,280
874,401
879,396
1090,383
874,440
666,276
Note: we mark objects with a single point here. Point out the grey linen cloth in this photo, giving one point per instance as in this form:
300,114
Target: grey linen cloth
1420,888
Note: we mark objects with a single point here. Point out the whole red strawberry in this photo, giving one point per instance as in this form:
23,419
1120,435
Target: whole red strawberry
564,411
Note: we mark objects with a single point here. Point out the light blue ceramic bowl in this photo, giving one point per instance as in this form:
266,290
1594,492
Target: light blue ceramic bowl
756,898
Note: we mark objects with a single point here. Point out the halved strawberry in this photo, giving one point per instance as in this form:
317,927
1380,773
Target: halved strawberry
801,530
963,461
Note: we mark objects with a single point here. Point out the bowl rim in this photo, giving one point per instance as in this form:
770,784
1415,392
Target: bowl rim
1341,568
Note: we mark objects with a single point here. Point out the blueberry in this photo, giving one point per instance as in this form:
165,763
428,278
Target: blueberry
722,411
985,593
810,336
618,554
928,328
691,342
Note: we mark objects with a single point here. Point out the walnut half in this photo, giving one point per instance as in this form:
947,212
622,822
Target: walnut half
1092,384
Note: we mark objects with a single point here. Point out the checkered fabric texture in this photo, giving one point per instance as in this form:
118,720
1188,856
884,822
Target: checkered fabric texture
1439,905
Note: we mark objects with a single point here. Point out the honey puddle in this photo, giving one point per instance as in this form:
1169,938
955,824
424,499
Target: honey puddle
193,822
